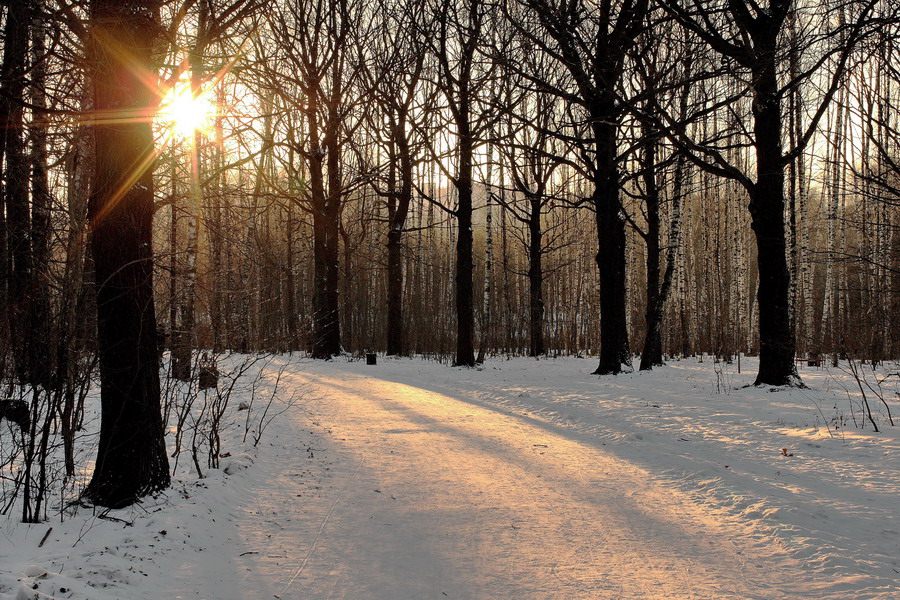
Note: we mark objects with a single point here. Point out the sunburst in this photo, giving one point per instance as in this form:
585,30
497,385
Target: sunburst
184,111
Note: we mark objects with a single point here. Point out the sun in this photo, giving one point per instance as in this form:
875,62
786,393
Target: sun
182,112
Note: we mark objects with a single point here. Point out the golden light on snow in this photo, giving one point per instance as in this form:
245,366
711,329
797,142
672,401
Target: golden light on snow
184,111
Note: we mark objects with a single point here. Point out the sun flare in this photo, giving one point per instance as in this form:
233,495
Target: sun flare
183,112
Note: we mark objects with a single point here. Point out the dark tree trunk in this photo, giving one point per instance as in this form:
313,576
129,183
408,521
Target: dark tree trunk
461,89
399,209
290,293
331,324
465,313
326,229
6,73
219,274
654,320
611,248
131,454
18,218
535,279
317,195
652,352
776,351
394,292
40,363
347,285
293,226
173,261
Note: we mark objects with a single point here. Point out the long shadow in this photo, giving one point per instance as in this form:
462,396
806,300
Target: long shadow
656,517
590,439
609,445
349,554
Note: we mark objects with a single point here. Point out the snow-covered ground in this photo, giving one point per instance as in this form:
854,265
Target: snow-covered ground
521,479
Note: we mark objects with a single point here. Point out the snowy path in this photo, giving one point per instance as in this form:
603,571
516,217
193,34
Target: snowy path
522,480
437,496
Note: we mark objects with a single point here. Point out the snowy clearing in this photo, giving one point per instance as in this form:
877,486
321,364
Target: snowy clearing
522,479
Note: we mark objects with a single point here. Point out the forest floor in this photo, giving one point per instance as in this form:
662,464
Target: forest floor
521,479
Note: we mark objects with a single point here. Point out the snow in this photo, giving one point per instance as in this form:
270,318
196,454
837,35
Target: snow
521,479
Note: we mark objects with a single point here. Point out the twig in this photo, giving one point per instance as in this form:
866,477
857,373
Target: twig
44,539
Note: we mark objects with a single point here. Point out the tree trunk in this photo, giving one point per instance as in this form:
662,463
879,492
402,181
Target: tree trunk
292,323
326,225
216,233
611,249
331,324
465,314
397,222
18,218
535,279
394,293
652,351
486,342
131,454
776,344
40,357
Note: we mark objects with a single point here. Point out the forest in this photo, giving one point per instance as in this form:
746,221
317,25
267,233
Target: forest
191,186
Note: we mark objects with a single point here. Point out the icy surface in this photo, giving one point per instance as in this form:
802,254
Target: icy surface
523,479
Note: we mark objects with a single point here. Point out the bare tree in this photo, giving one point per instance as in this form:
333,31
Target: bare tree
533,155
396,60
750,36
17,225
464,77
591,42
131,454
315,43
